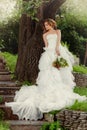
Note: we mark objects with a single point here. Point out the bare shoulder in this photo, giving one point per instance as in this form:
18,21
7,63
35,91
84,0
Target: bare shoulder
44,35
58,31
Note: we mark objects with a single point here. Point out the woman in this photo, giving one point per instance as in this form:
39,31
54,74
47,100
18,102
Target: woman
54,89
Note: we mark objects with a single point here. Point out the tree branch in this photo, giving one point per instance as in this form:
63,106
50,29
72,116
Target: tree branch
51,8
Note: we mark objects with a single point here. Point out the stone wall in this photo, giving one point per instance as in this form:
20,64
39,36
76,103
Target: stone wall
80,79
73,120
69,119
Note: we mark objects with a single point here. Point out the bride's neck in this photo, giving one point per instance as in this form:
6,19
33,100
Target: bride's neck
51,30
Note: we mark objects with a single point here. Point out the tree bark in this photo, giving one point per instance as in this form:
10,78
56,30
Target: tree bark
31,42
51,8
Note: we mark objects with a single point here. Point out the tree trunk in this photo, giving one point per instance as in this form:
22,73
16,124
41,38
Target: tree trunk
31,42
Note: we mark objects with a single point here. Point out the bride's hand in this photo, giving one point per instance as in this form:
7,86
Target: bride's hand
57,51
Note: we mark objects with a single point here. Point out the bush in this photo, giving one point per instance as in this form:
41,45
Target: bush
74,32
10,60
9,36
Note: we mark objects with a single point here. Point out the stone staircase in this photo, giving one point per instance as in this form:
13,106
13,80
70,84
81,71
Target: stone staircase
7,92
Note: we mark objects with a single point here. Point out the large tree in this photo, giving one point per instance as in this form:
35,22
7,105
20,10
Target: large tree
31,42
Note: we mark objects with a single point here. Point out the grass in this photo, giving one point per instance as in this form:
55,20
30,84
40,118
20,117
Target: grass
4,126
52,126
81,90
26,83
10,60
80,69
81,106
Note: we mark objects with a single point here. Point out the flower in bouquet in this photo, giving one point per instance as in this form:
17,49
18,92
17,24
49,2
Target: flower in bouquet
60,62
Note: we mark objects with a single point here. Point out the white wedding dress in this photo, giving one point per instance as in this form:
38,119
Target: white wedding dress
54,89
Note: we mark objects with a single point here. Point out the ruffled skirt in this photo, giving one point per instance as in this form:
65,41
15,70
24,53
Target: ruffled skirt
54,89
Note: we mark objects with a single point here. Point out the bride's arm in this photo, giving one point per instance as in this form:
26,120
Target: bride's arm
58,41
45,40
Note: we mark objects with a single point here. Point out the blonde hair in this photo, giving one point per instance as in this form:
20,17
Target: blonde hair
51,22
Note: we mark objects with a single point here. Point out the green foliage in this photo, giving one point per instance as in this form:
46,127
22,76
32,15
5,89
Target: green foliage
60,62
65,44
4,126
10,60
52,126
74,32
31,7
82,91
77,8
26,83
79,106
9,36
1,99
54,112
82,106
9,28
80,69
1,114
9,10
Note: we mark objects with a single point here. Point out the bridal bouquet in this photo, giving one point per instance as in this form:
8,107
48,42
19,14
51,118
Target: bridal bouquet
60,62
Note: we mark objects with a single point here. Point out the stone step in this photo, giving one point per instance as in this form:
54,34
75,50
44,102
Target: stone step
8,90
8,114
25,125
3,70
5,73
2,66
2,60
9,84
6,98
6,77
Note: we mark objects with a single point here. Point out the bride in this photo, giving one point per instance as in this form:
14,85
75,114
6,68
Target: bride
54,89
